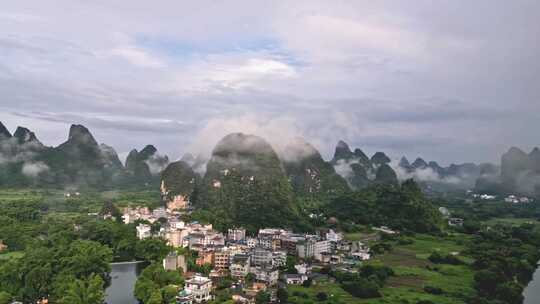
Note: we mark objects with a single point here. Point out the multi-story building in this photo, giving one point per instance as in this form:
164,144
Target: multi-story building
239,267
320,247
173,261
266,274
200,287
261,256
175,237
159,213
205,257
236,235
252,242
279,258
289,243
332,236
306,248
222,259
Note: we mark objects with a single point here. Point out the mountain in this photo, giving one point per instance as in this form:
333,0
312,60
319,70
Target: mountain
198,164
4,132
358,169
405,164
146,165
419,163
386,175
25,136
178,182
308,172
534,159
513,163
379,158
245,184
430,175
18,157
110,157
520,172
79,161
342,152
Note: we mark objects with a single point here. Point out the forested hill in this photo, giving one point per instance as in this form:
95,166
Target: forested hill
78,162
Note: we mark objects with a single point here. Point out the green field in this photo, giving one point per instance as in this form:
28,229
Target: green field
413,271
9,255
510,221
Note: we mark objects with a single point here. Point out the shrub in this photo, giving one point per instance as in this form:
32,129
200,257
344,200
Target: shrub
362,288
322,296
433,290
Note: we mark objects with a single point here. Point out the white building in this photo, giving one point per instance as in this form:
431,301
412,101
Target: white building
239,267
261,256
267,275
295,279
144,231
332,236
159,212
252,242
236,235
305,249
279,258
200,287
321,247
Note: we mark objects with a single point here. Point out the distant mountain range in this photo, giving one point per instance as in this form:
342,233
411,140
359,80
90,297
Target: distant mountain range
81,161
519,173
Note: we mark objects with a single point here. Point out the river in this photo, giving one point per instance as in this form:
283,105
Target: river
123,278
532,291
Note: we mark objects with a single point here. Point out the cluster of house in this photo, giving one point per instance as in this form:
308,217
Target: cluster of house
240,256
486,197
261,257
518,200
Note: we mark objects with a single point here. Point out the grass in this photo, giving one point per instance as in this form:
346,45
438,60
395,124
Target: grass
413,271
510,221
10,255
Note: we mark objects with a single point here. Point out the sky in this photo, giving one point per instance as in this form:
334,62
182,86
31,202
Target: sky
451,81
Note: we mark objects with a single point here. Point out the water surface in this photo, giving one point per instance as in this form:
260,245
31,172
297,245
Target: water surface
532,291
123,278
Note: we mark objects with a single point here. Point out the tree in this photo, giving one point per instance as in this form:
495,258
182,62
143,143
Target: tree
5,298
510,292
307,283
250,278
155,298
262,297
152,249
486,281
84,291
289,265
85,258
282,295
362,288
322,296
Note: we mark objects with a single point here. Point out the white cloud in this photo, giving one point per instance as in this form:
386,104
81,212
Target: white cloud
205,61
138,57
33,169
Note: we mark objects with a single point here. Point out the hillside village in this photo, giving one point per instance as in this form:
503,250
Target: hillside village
260,262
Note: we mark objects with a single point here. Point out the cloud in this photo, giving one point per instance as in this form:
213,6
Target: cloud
34,169
137,57
438,81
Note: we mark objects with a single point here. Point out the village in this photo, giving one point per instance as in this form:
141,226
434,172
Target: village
266,261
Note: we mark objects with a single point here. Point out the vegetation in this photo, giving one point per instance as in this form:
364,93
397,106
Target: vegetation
63,255
400,207
156,285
